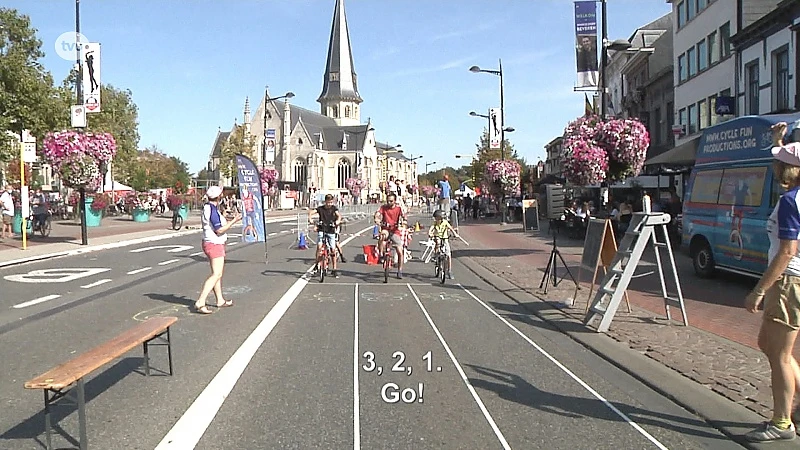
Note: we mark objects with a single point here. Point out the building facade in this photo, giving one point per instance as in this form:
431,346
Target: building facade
553,162
318,151
767,63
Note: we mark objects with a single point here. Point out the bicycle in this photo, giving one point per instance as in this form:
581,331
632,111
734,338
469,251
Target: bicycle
43,228
440,263
177,221
327,254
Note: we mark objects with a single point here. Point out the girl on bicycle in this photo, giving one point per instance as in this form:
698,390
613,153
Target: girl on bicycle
441,229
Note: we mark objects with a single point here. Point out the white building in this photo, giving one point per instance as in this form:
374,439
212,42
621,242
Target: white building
766,62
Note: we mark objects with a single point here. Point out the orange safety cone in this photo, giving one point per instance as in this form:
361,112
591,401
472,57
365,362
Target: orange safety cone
417,226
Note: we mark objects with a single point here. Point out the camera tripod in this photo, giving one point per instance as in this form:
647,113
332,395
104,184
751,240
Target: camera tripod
550,273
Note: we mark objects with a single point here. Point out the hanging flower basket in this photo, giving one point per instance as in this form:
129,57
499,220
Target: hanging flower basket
268,178
595,151
77,156
505,174
428,191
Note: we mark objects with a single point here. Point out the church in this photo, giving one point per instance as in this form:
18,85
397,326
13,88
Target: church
317,152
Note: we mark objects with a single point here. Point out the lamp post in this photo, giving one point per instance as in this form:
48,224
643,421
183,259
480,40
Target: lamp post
476,69
289,94
474,159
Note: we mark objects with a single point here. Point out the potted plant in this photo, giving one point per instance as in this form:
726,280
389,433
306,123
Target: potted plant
140,206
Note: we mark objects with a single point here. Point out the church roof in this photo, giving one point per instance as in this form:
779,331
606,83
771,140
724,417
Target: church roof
339,81
216,149
382,147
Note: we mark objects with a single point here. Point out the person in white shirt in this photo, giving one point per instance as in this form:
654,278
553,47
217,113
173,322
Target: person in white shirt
215,229
7,211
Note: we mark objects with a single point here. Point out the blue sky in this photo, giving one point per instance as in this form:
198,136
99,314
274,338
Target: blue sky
191,63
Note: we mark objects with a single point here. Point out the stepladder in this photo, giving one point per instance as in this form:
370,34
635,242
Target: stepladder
644,231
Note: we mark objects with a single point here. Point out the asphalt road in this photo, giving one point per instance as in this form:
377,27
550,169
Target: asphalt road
348,363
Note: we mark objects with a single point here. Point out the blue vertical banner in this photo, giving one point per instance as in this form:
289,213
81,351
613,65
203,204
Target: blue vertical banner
253,220
586,44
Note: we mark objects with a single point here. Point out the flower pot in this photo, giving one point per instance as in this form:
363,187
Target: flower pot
183,211
93,218
16,225
141,215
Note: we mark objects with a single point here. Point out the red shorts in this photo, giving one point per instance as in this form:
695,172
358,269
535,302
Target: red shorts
213,250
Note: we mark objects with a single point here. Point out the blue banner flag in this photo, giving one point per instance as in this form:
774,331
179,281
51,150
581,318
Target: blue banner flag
586,43
253,220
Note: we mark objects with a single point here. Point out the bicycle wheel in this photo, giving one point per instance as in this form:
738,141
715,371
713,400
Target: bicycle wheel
46,227
387,263
436,266
322,266
443,270
177,224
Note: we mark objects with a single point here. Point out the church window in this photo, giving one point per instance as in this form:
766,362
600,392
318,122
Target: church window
347,111
335,112
344,171
300,170
334,76
300,141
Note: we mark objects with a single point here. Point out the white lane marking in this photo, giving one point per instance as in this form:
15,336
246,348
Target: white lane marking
272,234
568,372
143,269
188,430
196,254
175,248
233,243
472,391
36,301
97,283
54,275
356,401
169,261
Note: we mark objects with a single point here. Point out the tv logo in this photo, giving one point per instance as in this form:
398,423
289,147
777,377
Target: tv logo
65,45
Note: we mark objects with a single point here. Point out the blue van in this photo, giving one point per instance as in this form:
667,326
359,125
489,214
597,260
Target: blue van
731,193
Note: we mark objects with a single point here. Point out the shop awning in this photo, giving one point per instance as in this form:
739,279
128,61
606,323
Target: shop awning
682,155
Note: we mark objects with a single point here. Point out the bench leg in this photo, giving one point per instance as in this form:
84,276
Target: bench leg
47,423
167,341
82,413
146,359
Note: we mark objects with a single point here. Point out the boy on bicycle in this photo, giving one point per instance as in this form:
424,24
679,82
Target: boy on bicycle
329,219
440,229
390,217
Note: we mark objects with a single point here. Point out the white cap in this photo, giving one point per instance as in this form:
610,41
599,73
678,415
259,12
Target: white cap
789,153
214,192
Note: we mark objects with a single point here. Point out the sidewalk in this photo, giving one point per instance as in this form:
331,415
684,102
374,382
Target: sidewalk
717,350
65,236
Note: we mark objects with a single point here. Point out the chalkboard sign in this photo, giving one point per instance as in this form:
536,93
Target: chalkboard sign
530,214
595,234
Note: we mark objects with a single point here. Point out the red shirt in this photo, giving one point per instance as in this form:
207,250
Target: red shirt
391,217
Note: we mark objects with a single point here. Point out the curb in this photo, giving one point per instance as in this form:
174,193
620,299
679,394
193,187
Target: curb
726,416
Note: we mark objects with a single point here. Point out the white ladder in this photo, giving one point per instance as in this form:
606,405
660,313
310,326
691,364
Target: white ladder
641,231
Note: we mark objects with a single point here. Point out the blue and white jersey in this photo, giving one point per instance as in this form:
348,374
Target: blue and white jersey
784,224
212,221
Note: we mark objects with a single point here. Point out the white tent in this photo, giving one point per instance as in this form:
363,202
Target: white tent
116,186
464,190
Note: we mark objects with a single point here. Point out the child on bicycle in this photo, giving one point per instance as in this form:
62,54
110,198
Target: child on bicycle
440,229
329,219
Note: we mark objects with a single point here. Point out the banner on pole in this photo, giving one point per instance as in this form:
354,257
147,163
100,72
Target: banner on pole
269,152
91,76
586,43
78,116
495,126
253,223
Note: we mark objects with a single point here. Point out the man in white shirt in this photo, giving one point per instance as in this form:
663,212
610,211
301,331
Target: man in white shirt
7,211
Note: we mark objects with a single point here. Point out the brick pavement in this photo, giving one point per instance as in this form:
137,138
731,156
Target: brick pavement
718,349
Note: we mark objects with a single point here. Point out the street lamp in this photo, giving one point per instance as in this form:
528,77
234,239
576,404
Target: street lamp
474,159
476,69
288,95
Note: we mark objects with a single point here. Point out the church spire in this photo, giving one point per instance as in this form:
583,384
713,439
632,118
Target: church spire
340,97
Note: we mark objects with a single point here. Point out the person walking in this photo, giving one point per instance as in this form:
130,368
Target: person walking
7,212
779,291
215,227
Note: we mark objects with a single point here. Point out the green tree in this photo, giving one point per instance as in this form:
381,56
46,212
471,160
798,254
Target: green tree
239,141
486,154
153,169
28,98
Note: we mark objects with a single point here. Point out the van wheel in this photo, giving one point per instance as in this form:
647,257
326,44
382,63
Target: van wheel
703,261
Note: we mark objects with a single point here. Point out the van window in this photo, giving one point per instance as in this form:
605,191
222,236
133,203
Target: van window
706,186
743,186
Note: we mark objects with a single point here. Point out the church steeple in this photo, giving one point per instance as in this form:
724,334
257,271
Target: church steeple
340,98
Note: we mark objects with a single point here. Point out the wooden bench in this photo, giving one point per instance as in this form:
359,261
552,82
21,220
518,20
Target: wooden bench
58,382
